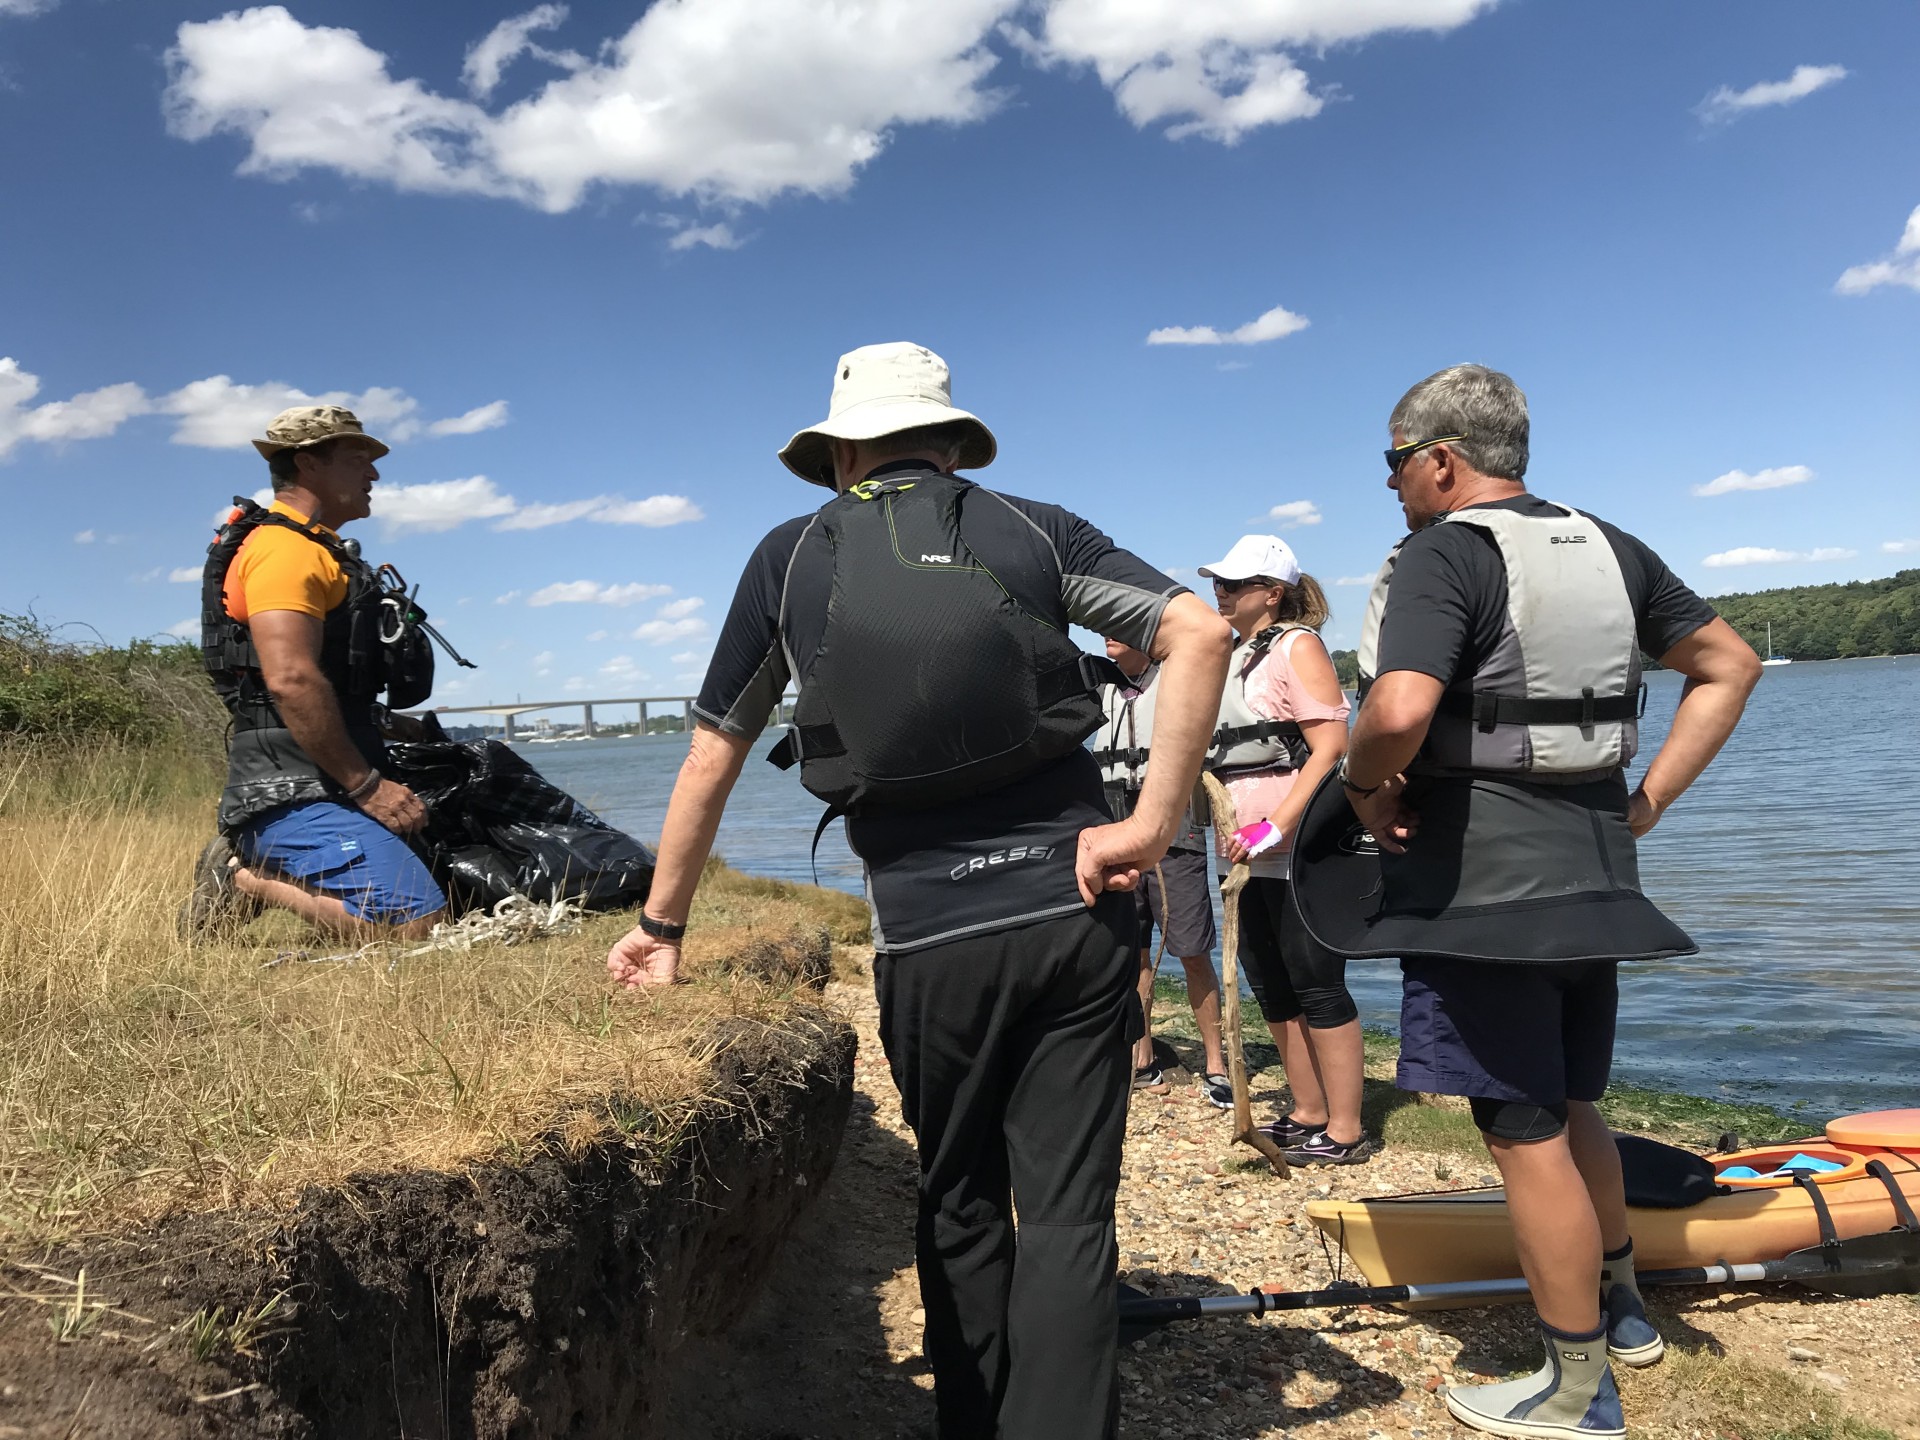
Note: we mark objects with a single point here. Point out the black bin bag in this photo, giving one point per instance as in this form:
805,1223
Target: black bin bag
496,826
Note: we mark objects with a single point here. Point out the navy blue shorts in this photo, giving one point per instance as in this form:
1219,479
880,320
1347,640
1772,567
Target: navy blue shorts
1524,1034
339,850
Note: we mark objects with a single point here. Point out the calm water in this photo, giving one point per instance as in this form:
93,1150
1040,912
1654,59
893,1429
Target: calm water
1789,863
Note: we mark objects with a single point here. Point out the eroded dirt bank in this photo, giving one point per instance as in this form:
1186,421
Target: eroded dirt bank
507,1300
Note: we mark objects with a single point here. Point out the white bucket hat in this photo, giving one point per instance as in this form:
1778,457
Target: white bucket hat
1253,555
881,390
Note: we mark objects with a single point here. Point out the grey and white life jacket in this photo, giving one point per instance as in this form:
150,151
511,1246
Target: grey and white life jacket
1122,746
1244,738
1558,698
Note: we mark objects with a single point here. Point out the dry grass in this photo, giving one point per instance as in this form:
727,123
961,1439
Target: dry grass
137,1075
1699,1395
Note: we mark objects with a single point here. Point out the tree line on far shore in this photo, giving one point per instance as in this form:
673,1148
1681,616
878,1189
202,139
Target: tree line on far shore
1810,622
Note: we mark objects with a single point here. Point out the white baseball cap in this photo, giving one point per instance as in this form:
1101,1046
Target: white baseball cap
1253,555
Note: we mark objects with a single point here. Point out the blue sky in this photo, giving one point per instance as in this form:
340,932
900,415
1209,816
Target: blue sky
587,269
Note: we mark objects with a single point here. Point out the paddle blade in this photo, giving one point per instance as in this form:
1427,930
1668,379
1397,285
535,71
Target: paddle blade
1884,1264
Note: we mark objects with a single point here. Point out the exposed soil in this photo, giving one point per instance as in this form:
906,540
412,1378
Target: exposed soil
832,1348
507,1300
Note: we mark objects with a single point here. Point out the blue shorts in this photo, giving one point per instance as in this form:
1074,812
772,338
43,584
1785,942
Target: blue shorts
337,850
1537,1035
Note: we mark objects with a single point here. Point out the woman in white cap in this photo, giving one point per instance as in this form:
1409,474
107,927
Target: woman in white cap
1283,727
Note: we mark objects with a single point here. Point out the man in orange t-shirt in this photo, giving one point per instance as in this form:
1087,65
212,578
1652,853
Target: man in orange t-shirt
308,822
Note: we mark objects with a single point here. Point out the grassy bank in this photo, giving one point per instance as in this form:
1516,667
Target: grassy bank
138,1075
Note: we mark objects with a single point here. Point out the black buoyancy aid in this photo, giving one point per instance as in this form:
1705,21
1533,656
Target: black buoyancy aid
941,673
266,767
1246,739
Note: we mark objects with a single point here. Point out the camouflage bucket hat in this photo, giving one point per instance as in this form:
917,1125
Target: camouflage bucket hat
306,425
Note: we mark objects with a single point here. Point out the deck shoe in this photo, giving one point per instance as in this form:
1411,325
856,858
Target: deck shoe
215,906
1218,1089
1321,1148
1571,1397
1149,1077
1631,1339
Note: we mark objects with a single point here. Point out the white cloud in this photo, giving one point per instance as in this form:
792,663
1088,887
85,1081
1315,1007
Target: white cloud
1902,267
596,635
482,417
589,592
1727,103
507,42
24,8
1275,324
87,416
575,684
1220,68
654,511
186,574
680,609
665,632
1293,514
438,505
1900,547
1772,479
739,101
543,664
84,537
690,657
622,670
184,629
506,599
715,237
1762,555
729,99
217,413
1355,580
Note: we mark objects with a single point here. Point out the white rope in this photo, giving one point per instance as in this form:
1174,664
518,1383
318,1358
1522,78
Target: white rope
516,920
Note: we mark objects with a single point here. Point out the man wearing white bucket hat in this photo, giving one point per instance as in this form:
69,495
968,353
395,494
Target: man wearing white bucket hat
942,709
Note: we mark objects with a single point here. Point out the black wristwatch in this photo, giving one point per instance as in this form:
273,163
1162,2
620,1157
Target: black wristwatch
661,929
1350,787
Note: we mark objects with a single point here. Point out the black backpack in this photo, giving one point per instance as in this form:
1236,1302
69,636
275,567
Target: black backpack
942,673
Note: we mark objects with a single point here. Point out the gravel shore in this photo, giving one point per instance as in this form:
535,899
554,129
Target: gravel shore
832,1349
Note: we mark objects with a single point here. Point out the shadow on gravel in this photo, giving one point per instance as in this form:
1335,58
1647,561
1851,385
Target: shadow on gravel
810,1359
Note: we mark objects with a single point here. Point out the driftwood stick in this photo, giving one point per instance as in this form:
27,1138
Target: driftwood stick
1244,1131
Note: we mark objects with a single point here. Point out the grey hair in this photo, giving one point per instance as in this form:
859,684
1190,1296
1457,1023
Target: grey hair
1471,400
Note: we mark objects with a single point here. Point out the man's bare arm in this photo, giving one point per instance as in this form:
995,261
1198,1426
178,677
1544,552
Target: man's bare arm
1721,671
1392,726
1192,645
699,798
288,645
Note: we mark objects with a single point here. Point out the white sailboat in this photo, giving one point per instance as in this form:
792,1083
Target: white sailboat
1771,658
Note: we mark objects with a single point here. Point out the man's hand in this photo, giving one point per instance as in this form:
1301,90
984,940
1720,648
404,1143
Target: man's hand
1387,815
396,807
637,960
1113,857
1642,813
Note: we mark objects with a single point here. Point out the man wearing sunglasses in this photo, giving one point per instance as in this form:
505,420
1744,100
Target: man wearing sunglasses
1500,669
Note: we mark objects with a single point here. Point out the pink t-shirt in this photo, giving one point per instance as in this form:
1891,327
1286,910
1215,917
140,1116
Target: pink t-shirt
1274,691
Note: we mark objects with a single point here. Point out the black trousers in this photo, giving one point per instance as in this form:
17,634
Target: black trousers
1012,1054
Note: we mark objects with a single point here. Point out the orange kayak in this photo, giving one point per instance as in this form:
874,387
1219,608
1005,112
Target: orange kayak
1465,1235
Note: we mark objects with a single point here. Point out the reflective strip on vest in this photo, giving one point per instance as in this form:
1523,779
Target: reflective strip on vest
1569,637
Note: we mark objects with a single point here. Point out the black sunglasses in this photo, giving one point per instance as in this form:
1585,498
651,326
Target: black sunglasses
1234,587
1397,454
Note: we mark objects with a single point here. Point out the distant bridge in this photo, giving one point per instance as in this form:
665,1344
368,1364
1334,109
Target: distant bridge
507,714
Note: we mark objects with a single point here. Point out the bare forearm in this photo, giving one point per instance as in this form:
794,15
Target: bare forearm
311,711
1328,739
1706,715
1392,726
699,799
1193,673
